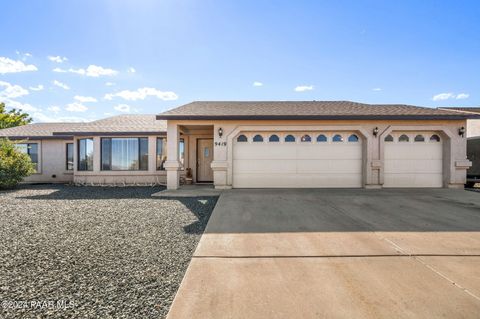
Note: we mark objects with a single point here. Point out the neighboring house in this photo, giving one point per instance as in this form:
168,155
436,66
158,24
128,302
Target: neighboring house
319,144
52,155
473,125
258,144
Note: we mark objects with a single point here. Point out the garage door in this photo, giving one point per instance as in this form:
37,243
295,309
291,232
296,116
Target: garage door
308,159
413,160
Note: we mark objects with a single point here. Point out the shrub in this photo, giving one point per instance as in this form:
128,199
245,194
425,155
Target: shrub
14,165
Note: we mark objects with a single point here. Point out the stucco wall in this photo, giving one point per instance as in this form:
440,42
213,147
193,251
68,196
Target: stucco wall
455,162
51,162
97,176
473,128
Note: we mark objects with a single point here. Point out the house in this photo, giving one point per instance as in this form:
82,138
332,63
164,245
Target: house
319,144
52,155
256,145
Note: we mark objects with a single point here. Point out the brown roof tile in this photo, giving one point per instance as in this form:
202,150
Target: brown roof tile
304,110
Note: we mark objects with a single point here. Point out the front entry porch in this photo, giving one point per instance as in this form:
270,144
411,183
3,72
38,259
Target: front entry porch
190,150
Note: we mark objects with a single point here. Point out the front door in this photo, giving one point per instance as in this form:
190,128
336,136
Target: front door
204,160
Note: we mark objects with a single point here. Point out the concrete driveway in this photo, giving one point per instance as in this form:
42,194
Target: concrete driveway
323,253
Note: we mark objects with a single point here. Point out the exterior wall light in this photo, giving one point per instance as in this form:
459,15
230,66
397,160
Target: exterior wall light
375,131
220,131
461,131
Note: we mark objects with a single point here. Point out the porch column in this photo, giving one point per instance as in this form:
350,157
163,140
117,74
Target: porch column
172,165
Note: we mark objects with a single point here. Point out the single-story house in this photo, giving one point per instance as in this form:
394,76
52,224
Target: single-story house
258,145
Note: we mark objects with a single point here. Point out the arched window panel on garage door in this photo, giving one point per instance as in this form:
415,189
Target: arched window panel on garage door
242,138
289,138
353,138
404,138
434,138
321,138
258,138
337,138
274,138
306,138
419,138
389,138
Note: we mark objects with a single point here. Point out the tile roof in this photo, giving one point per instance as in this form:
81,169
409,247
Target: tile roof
38,130
304,110
472,109
121,125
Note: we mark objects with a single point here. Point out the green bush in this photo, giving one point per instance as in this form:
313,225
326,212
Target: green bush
14,165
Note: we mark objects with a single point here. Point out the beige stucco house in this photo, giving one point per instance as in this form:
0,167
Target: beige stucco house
257,145
318,144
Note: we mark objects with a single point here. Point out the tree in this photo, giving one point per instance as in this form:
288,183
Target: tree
14,165
12,118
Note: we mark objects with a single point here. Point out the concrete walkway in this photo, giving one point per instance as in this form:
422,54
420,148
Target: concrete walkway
336,254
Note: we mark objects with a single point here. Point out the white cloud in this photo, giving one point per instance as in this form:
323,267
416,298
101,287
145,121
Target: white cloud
54,109
109,83
21,106
11,66
303,88
11,91
57,59
256,83
61,85
58,70
36,88
131,70
76,107
41,117
123,108
142,93
377,89
85,99
462,96
92,71
448,96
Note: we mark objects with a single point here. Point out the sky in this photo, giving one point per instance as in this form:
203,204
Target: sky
81,60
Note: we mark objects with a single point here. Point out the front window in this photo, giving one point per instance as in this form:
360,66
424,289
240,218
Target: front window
181,152
31,149
125,154
69,159
161,153
85,154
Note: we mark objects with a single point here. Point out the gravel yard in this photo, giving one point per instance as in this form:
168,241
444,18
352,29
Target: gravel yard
104,252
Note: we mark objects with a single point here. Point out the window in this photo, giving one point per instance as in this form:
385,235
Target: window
274,138
388,138
125,154
403,138
306,138
181,152
289,138
337,138
321,138
434,138
419,138
161,153
258,138
242,138
85,154
31,149
69,159
353,138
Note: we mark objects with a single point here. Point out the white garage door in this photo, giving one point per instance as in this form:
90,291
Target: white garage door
413,160
281,159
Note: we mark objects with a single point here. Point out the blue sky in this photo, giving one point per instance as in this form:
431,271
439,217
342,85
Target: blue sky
84,60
